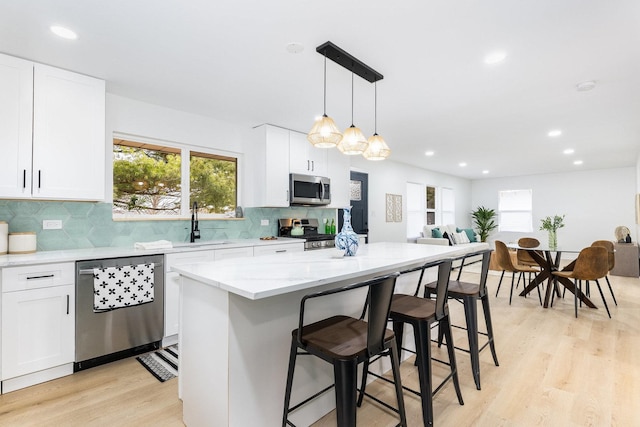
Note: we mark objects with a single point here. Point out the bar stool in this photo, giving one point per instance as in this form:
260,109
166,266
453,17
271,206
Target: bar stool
420,313
346,342
468,293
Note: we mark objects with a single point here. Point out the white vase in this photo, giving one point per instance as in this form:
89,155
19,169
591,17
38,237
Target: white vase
347,239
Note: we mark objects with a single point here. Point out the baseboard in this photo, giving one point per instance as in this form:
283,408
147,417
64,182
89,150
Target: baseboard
34,378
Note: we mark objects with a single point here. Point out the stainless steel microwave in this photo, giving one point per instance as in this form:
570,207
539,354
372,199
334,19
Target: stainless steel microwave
309,190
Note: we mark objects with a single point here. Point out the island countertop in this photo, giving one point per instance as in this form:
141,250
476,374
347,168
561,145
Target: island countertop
272,275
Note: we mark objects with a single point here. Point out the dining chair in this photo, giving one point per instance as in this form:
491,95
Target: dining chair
592,264
504,261
524,257
608,245
421,313
468,292
345,342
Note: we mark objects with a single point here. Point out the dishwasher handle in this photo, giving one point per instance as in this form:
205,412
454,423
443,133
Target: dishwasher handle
90,270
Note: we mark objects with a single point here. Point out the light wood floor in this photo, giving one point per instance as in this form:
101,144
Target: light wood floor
555,370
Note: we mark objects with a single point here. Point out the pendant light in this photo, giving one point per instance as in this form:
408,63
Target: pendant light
377,148
324,133
353,141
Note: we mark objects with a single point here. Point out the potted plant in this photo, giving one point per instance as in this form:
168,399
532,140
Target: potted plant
483,219
551,225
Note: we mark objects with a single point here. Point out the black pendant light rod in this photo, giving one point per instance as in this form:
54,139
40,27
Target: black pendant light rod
340,57
351,98
375,108
324,111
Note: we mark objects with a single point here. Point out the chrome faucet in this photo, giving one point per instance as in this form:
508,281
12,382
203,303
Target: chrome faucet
195,232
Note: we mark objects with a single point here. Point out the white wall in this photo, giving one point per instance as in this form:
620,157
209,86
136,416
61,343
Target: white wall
139,119
594,202
391,177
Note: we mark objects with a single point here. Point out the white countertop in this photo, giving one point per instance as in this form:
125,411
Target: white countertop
272,275
46,257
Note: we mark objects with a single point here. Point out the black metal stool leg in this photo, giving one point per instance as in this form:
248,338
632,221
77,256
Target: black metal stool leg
395,366
287,393
487,319
363,383
423,357
346,378
471,316
445,324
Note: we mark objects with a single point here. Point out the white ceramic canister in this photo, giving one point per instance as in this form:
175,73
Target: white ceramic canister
22,243
4,237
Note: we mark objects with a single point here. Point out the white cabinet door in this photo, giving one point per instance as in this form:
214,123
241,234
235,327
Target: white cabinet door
16,87
267,168
68,135
172,286
38,330
304,157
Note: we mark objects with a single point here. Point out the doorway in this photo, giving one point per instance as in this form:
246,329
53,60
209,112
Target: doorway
359,200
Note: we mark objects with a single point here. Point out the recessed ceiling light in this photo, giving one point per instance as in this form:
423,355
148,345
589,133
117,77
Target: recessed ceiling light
585,86
484,172
495,57
63,32
429,153
294,47
577,162
554,133
569,151
462,164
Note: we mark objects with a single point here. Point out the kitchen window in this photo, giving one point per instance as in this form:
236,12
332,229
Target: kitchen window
163,181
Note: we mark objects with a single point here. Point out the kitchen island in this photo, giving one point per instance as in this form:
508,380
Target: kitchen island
236,322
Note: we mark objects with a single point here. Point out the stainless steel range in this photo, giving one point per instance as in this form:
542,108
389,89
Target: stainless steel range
306,228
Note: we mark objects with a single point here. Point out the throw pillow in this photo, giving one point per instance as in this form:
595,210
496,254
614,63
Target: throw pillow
436,233
450,238
470,234
461,238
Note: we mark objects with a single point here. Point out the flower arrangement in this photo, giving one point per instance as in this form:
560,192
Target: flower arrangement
552,224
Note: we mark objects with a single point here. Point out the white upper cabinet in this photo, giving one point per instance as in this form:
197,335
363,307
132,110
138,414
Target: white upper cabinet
304,157
266,169
16,87
63,158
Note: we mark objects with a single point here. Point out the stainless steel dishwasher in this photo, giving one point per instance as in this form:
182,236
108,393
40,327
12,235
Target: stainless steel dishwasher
105,336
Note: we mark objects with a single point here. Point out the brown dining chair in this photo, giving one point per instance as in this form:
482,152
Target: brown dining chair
468,292
592,264
524,257
345,342
421,313
504,261
608,245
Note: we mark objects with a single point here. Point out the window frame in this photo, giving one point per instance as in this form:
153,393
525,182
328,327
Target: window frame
185,150
502,211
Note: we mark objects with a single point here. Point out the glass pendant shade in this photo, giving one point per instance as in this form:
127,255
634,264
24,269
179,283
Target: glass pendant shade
324,133
377,148
353,141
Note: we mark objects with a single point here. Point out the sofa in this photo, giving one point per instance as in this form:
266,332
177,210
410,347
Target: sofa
450,235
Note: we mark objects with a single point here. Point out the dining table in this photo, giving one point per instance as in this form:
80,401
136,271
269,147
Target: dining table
548,258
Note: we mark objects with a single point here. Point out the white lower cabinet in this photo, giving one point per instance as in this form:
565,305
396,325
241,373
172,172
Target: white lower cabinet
278,248
38,324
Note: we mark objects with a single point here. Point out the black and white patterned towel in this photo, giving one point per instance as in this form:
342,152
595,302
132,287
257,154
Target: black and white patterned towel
116,287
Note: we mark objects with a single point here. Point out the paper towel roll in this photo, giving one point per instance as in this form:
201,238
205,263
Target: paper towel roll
22,243
4,237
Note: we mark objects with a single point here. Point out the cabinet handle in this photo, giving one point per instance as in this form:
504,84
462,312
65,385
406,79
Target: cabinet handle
281,251
287,195
24,178
313,166
46,276
39,173
67,303
308,166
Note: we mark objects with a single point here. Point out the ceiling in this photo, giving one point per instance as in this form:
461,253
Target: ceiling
228,60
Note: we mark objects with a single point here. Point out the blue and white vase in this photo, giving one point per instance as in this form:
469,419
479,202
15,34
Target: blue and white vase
347,239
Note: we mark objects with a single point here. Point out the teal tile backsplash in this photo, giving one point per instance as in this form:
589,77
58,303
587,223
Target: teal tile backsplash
89,225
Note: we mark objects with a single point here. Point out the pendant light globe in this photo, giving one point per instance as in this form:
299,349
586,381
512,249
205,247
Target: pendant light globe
377,148
324,133
353,141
